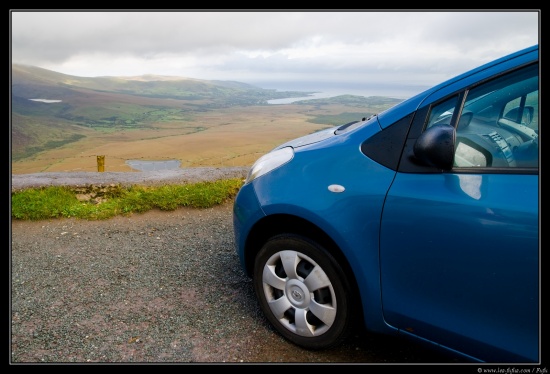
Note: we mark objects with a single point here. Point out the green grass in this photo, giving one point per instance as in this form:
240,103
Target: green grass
99,202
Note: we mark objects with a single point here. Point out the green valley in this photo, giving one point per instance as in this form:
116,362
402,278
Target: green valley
62,123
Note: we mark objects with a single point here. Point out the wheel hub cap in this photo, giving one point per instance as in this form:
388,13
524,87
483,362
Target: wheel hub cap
297,293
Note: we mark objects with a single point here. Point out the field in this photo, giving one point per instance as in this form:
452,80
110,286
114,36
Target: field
234,136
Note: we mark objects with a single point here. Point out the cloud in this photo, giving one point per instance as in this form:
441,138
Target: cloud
418,47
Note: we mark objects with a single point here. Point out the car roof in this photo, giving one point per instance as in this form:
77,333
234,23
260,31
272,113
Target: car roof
449,86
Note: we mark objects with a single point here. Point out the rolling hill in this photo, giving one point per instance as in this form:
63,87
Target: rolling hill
112,103
60,122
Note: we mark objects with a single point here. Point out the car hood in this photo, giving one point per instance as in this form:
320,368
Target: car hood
309,139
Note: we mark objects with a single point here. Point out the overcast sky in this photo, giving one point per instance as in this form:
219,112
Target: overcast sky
272,49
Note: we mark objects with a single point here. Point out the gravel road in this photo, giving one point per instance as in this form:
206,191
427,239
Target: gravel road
157,287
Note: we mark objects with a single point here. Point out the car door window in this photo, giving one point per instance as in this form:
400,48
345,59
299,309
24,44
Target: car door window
442,113
498,125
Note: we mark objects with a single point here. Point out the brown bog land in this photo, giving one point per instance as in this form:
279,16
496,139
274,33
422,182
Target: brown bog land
234,136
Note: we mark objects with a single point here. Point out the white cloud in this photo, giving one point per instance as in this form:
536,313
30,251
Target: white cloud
419,48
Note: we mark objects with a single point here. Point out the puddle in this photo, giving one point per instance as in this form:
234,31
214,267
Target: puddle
153,165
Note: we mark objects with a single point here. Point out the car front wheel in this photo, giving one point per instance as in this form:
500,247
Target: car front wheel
303,292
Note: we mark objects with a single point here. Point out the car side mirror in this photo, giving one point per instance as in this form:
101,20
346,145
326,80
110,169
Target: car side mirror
436,147
464,121
525,118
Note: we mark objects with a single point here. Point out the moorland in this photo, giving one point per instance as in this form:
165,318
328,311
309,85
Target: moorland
62,123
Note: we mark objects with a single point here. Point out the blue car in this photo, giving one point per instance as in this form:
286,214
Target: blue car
422,220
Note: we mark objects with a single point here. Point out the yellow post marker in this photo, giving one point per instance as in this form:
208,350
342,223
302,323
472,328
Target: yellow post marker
101,164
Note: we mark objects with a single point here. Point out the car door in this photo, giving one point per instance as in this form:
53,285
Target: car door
459,248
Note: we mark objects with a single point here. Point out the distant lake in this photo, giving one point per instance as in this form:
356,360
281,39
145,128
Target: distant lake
289,100
46,101
327,94
153,165
323,91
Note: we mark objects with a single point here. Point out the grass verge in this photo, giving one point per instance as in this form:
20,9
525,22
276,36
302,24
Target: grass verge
103,202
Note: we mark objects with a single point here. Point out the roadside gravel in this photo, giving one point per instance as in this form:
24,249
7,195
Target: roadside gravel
158,287
147,178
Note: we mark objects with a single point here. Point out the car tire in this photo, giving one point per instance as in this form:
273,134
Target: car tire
308,299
